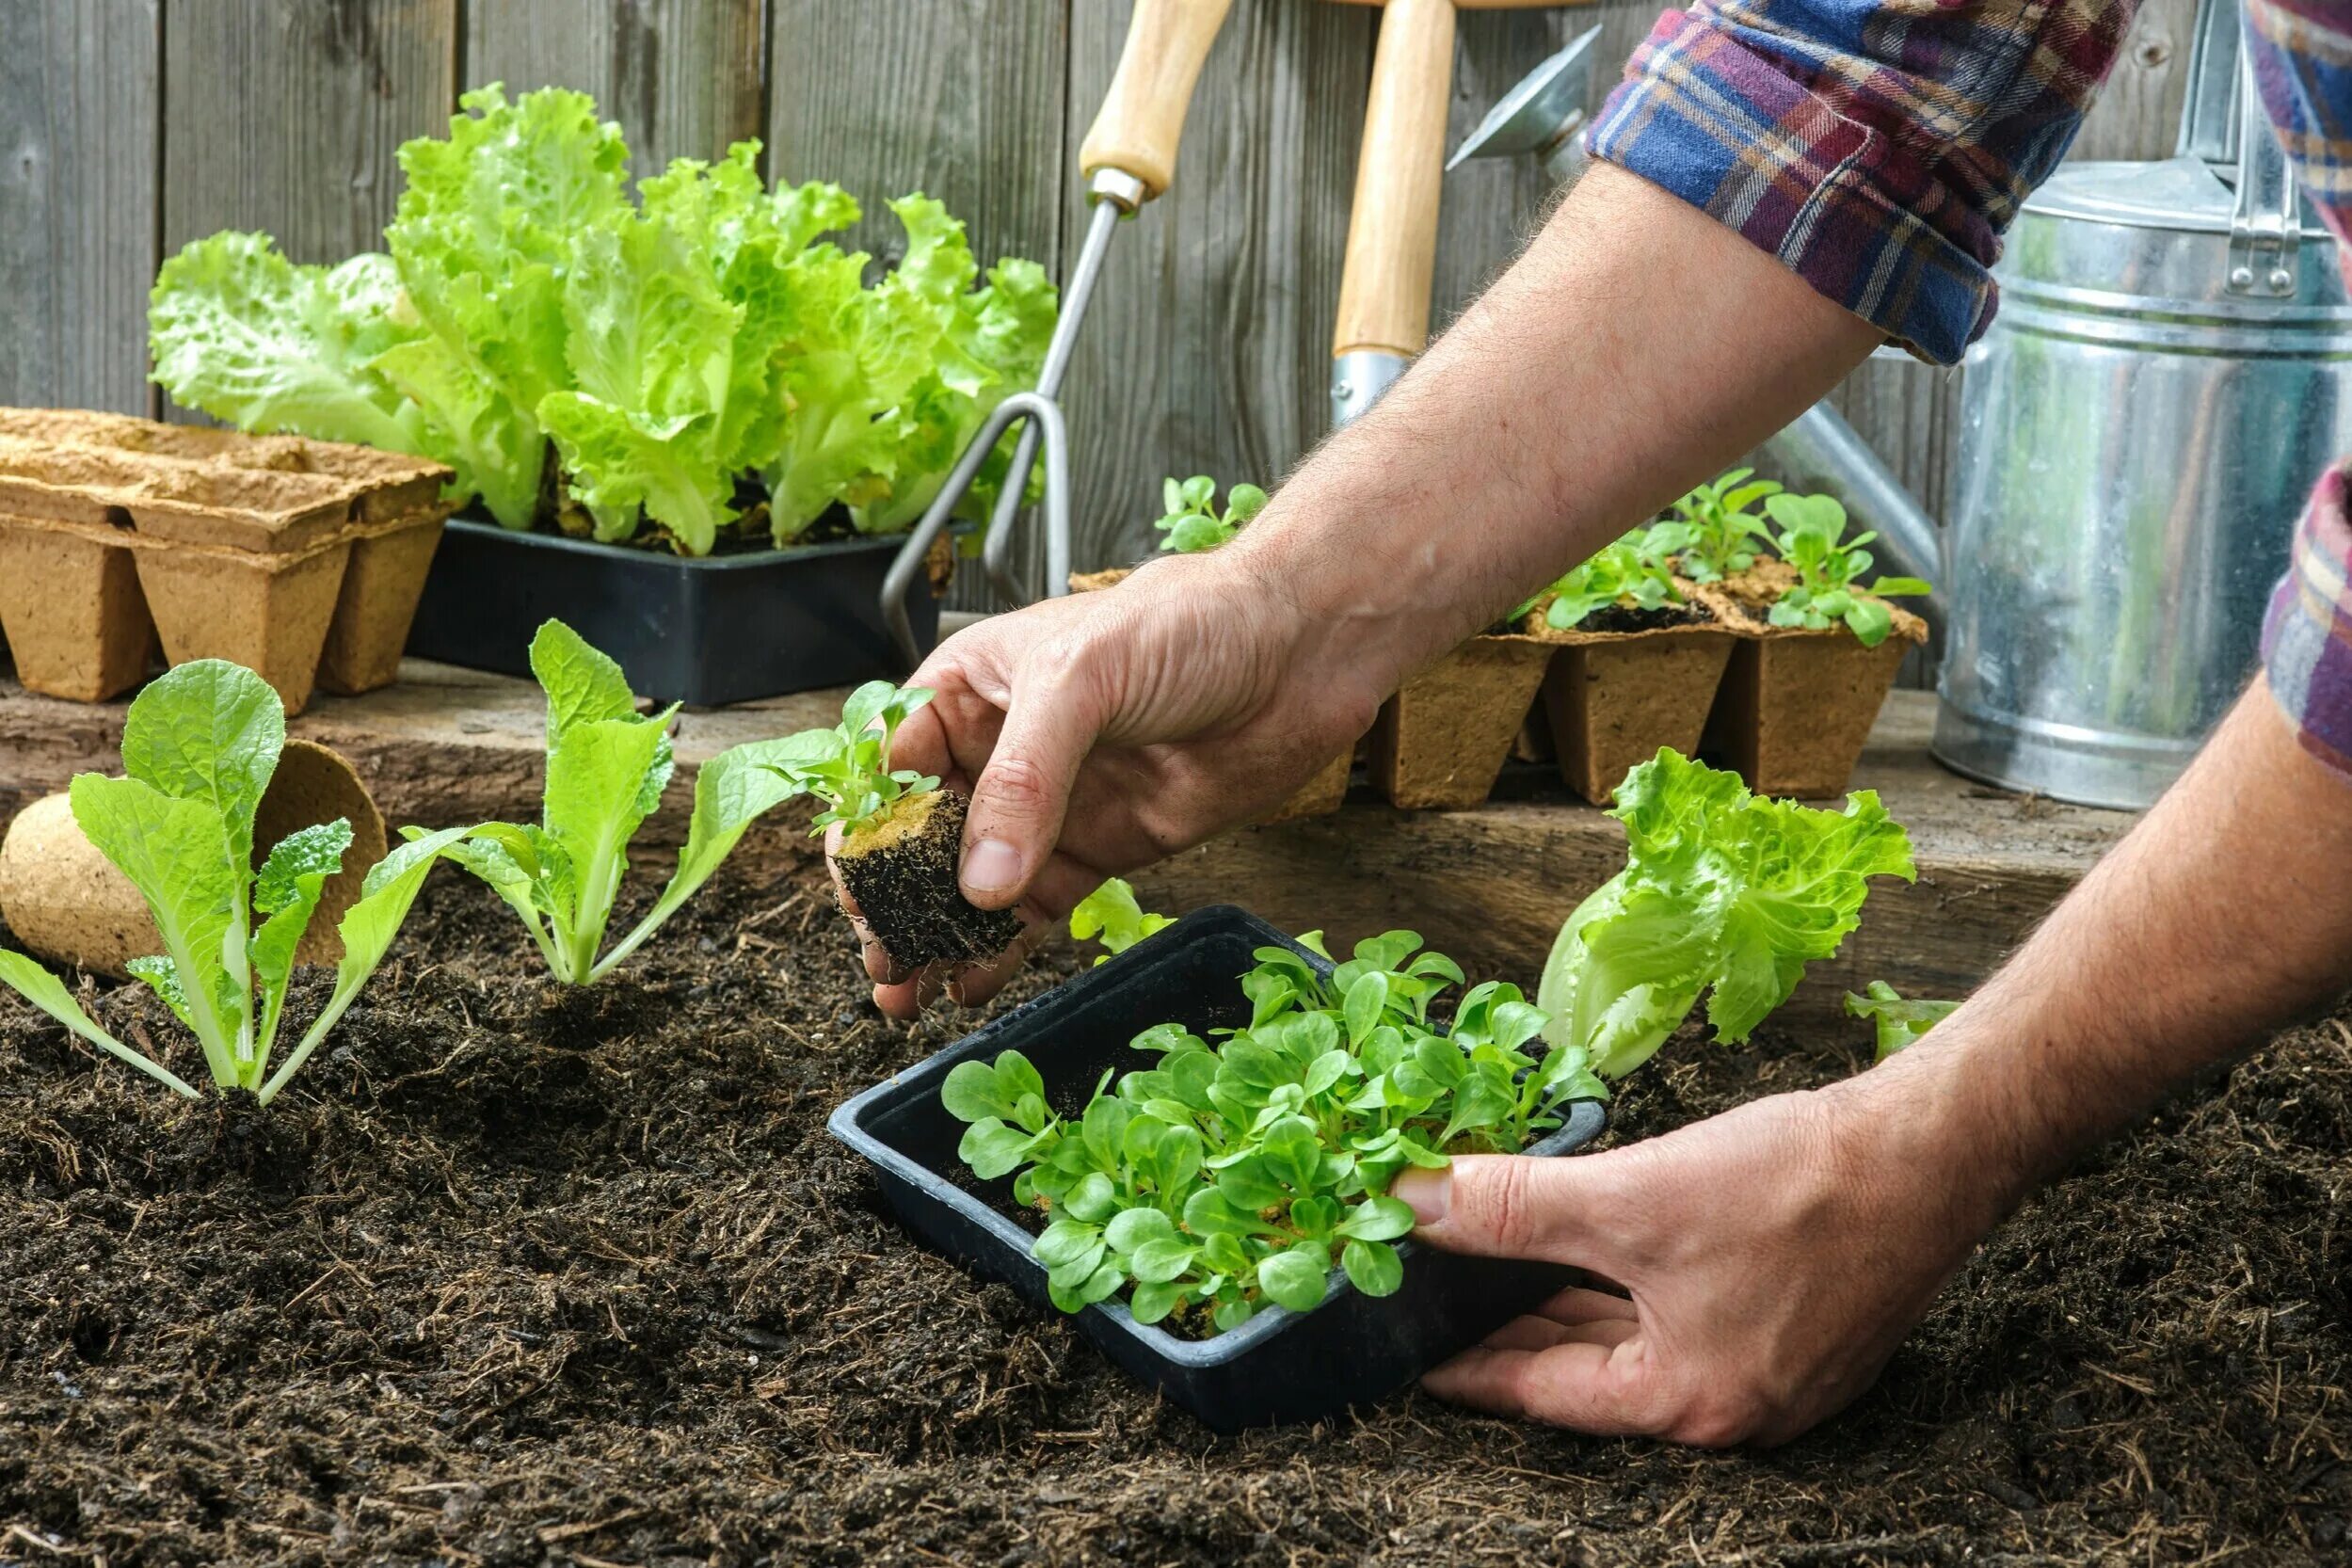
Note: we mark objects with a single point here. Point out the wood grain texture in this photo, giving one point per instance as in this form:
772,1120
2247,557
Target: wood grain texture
1140,126
1208,347
681,76
77,200
1385,282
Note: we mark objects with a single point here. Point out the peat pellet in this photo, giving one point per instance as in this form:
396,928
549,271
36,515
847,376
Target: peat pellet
900,871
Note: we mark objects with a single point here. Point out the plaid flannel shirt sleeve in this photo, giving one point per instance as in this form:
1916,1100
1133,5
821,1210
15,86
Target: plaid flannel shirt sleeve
2302,55
1879,150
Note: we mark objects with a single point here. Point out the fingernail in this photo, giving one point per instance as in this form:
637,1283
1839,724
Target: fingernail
991,865
1427,1192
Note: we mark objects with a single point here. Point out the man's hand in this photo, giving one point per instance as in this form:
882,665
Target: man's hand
1765,1263
1104,731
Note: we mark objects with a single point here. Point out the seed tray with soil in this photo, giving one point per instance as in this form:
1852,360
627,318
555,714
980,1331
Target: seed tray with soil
521,1274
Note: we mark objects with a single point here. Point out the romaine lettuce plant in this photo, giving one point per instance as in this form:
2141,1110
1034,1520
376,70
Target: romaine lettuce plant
607,765
1829,568
1713,533
1898,1022
1635,572
1112,914
1722,893
1230,1175
668,347
199,748
1192,521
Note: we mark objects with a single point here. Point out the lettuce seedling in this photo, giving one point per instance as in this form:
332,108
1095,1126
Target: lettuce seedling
607,765
200,747
1634,572
1722,893
848,766
1829,571
1900,1022
1193,523
1111,912
1712,532
1229,1177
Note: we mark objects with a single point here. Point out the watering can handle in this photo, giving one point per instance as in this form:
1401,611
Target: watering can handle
2266,224
1141,118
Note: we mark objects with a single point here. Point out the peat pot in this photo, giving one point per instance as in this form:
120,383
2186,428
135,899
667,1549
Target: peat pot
1443,739
2170,373
1279,1367
706,629
1612,699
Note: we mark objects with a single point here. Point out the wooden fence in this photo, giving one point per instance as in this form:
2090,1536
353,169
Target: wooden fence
130,127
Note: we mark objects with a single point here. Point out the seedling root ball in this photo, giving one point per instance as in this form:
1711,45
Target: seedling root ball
900,872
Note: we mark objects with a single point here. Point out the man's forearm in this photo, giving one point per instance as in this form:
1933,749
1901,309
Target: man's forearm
2226,912
1635,348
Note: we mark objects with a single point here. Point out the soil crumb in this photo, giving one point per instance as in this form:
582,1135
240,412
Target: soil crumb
520,1275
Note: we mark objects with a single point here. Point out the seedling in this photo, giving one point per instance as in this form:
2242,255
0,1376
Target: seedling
1633,573
1110,913
1829,571
199,748
1193,523
606,767
1229,1177
1900,1022
1723,892
1713,533
902,835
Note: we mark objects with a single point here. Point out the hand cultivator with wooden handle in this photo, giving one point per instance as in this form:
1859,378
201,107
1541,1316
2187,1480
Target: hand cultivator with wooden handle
1127,158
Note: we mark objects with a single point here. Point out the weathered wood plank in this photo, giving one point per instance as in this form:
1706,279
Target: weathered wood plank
1489,886
284,115
2139,112
77,200
681,76
1208,348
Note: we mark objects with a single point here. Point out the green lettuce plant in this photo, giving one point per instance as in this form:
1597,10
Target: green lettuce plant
1112,914
1713,533
607,765
1829,566
1635,572
848,766
1229,1177
667,349
1898,1022
1192,521
1722,893
200,747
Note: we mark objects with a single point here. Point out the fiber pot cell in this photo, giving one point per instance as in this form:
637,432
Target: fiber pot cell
73,611
269,613
900,872
376,606
1279,1367
66,903
1320,795
1445,736
1612,698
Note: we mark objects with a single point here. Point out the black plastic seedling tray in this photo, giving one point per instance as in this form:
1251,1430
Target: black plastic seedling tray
718,628
1279,1367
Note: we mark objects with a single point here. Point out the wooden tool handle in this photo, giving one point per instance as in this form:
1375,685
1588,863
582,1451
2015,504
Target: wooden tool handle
1142,115
1392,229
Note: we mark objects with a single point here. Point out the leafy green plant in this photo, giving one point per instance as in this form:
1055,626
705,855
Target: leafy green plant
1829,571
667,349
1900,1022
1722,893
199,746
1229,1177
1713,533
848,766
1193,523
607,765
1634,572
1111,912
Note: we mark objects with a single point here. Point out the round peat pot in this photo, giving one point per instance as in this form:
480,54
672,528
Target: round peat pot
1279,1367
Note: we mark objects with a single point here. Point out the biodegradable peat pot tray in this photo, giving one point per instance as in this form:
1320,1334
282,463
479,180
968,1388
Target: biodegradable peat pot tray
1612,697
1279,1367
707,629
1796,706
1443,739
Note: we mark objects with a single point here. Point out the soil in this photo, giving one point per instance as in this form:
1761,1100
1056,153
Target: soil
900,875
516,1276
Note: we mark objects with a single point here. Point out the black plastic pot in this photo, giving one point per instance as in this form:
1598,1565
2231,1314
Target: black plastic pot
1279,1367
718,628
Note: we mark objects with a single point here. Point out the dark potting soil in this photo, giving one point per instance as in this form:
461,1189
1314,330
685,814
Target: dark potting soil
901,875
517,1276
1621,617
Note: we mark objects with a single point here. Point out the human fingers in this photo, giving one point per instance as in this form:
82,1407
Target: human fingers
1600,1389
1581,1304
1022,794
1513,1205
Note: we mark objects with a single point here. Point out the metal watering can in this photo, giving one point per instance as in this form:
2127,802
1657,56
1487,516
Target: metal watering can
2170,373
